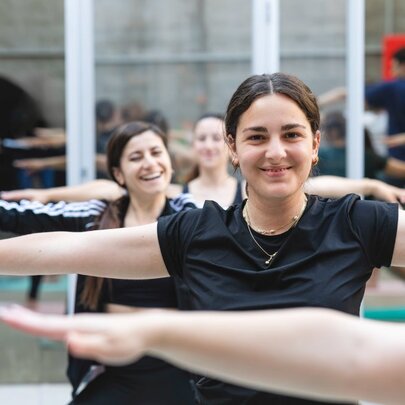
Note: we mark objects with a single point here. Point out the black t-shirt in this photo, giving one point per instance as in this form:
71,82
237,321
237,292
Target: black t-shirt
324,261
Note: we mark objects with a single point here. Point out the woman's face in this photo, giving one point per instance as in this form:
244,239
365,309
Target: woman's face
275,147
209,145
145,166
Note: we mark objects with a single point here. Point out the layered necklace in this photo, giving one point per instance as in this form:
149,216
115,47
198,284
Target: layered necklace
290,224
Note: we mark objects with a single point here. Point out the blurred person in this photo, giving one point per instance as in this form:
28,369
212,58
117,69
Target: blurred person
108,118
390,96
157,118
210,179
19,116
132,111
139,162
332,158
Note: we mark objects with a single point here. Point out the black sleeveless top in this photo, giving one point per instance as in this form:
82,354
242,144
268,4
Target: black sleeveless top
148,293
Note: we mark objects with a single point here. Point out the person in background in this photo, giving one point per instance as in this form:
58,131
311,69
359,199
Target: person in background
390,96
210,179
138,161
332,157
108,118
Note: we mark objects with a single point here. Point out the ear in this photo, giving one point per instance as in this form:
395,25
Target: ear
232,149
315,144
118,176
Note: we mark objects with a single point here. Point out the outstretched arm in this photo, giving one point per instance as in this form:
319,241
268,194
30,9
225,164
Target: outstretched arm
128,253
96,189
335,186
307,352
37,164
393,141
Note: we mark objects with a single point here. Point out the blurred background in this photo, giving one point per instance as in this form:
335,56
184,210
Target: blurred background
179,58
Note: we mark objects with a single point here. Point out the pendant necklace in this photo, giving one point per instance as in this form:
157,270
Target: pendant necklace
291,224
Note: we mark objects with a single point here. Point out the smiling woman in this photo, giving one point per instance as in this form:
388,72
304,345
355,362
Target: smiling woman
138,160
210,180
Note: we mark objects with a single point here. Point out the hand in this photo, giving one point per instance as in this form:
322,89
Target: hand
386,192
30,194
32,165
36,164
393,141
108,338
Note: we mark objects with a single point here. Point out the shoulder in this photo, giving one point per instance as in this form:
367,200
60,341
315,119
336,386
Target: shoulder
320,201
351,208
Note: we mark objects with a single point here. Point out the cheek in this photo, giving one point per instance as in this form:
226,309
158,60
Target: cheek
247,157
198,148
167,163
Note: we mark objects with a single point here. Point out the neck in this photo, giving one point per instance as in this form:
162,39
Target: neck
213,177
275,217
142,211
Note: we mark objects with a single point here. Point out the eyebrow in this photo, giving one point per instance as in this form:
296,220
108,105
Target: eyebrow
286,127
256,129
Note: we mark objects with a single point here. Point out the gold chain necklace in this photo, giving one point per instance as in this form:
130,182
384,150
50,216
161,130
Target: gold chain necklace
291,224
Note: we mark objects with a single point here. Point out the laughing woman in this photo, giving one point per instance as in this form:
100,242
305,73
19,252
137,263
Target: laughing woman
138,161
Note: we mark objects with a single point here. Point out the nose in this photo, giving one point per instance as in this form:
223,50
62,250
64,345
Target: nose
275,149
148,160
208,143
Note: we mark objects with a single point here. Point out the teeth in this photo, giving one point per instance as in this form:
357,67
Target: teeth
151,176
276,170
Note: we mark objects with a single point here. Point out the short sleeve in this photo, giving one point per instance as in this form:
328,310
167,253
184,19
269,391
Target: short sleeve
175,233
375,223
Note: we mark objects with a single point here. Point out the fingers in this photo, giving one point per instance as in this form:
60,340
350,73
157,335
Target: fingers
49,326
15,195
32,322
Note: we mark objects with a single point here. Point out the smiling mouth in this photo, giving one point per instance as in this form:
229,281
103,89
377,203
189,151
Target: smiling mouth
276,169
151,177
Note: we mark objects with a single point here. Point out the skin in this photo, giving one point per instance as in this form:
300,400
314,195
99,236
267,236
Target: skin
212,156
275,162
145,170
275,148
261,155
367,361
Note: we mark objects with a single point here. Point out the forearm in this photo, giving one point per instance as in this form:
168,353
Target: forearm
97,189
395,168
334,186
310,353
118,253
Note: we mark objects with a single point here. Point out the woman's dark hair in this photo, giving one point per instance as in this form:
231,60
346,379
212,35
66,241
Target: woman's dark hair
263,85
195,171
113,216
